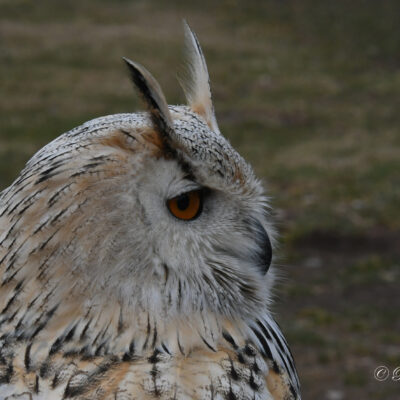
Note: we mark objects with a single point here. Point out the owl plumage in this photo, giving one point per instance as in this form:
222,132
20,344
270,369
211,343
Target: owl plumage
107,292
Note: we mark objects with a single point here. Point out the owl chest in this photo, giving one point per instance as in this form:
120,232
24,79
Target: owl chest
202,374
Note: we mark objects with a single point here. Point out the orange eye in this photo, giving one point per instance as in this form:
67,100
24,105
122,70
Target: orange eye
186,206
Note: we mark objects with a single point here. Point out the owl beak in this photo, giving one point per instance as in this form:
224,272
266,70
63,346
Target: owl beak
263,254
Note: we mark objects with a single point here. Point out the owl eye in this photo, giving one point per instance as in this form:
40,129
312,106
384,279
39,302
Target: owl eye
186,206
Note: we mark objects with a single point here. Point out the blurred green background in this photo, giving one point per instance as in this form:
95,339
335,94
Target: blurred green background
308,91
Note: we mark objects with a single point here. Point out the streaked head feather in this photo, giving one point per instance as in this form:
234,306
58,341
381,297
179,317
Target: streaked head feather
196,83
153,96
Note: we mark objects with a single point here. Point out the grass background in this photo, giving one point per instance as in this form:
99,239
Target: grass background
308,91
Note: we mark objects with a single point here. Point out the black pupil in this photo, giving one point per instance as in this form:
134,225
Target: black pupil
183,202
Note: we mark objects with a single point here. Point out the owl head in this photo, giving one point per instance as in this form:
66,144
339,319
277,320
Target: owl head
149,212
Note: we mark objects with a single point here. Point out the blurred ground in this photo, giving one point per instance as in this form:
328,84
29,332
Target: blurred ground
308,91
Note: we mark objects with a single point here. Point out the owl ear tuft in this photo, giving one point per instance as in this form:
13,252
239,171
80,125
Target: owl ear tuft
196,82
153,96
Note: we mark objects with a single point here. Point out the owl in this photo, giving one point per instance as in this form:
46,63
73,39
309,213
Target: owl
135,261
